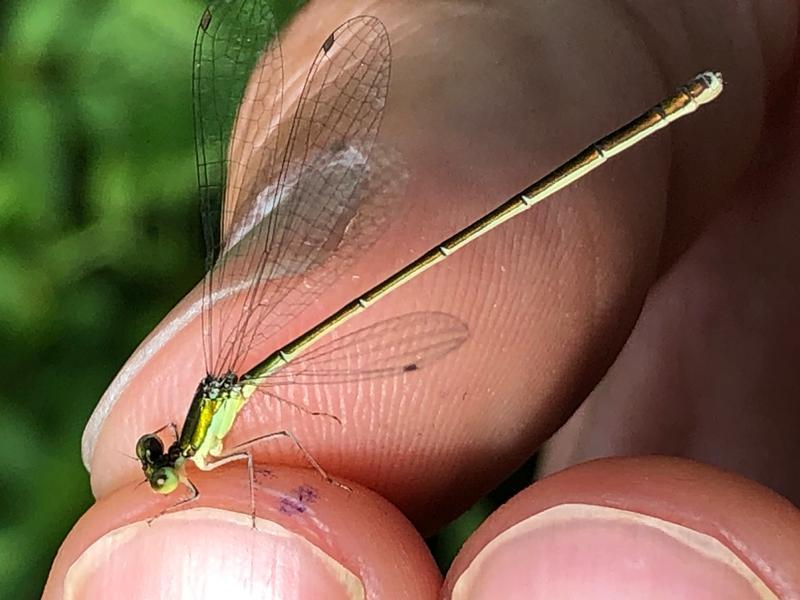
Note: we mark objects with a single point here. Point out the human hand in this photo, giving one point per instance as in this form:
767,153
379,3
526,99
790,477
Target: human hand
482,101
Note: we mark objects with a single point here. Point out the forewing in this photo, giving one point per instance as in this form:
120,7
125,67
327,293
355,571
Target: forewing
300,227
237,78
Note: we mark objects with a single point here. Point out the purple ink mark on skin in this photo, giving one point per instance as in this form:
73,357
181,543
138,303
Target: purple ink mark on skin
265,473
306,494
296,501
291,506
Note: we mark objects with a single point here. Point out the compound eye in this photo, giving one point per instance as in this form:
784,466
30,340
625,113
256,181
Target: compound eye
164,480
149,448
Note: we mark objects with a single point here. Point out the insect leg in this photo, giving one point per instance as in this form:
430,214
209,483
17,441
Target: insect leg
233,457
287,434
301,408
194,494
171,425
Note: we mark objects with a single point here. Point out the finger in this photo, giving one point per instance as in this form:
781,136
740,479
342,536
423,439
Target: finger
634,528
480,101
311,540
710,371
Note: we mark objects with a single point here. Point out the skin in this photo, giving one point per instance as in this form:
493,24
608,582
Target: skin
675,265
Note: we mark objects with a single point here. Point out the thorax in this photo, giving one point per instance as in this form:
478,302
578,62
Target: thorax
212,413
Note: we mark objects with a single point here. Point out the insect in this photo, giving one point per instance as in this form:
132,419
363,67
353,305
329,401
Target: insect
289,205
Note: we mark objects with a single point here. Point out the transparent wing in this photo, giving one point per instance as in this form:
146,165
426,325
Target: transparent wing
385,349
299,222
236,49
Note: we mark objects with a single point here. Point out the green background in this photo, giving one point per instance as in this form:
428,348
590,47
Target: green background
100,238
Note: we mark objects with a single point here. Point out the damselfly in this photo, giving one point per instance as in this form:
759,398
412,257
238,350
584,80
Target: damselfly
289,204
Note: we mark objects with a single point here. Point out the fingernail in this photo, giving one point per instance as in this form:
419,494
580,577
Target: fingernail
208,553
585,551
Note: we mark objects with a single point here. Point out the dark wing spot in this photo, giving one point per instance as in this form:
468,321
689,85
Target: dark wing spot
410,367
327,44
205,20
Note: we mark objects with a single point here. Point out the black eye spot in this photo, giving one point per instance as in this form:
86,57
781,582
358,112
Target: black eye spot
205,21
149,449
154,448
327,44
410,367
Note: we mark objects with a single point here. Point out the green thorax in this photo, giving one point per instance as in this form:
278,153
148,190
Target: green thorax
216,403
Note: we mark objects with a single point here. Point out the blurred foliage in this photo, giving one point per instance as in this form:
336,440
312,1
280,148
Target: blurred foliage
98,218
101,237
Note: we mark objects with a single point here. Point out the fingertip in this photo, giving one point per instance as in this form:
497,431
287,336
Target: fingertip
646,527
311,539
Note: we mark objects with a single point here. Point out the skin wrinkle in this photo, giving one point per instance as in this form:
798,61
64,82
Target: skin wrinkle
639,26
